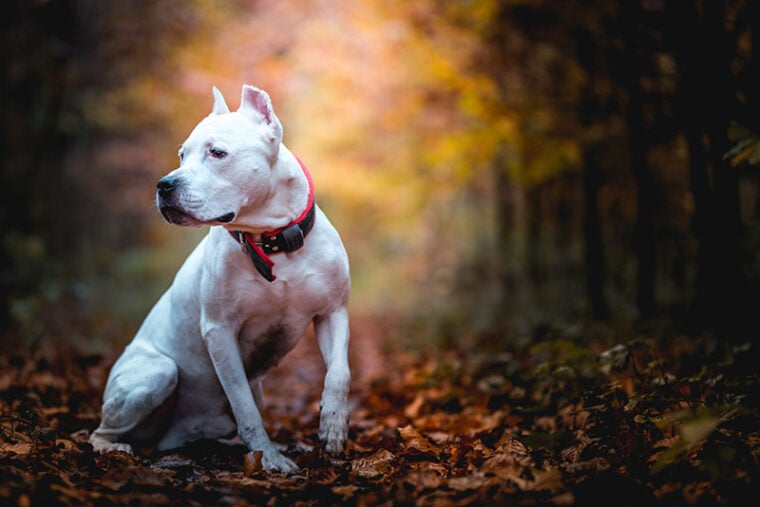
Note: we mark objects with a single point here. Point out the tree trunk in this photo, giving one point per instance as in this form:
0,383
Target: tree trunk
592,232
505,226
644,238
706,106
591,112
535,218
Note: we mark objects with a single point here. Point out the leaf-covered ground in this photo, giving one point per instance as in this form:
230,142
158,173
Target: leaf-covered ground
557,423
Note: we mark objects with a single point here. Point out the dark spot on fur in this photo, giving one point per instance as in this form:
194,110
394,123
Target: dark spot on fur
267,351
150,429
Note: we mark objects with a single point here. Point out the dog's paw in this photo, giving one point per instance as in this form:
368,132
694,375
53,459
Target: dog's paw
103,445
273,460
333,430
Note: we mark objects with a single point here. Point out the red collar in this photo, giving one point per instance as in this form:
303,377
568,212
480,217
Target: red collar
284,240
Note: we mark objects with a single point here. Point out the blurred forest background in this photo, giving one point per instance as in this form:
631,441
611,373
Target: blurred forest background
497,168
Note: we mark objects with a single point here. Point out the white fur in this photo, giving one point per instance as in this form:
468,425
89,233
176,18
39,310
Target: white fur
195,367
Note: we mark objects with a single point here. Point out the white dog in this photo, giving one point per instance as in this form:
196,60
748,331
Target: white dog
194,369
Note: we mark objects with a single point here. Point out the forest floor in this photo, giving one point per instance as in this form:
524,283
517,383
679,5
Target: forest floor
666,422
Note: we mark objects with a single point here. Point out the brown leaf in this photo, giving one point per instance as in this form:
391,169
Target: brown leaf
570,454
424,479
81,437
326,475
250,485
252,463
546,423
564,498
479,448
543,480
173,462
413,409
507,470
154,477
115,479
693,493
593,465
66,445
511,454
20,448
471,482
49,411
573,417
345,492
115,459
416,445
439,437
76,496
375,465
512,446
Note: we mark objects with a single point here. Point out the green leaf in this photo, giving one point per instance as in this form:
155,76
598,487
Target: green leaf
698,429
693,430
738,148
754,157
669,456
549,441
737,132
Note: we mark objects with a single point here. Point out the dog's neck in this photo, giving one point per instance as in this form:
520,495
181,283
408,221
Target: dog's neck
286,198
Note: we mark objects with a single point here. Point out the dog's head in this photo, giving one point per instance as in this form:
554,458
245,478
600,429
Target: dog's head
224,163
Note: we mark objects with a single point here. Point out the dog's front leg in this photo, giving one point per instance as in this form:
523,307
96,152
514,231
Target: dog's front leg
332,336
225,355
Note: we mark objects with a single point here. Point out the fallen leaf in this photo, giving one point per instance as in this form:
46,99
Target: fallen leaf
543,480
65,444
409,442
439,437
593,465
252,463
503,467
115,459
76,496
697,429
423,479
115,479
81,437
377,464
346,493
172,462
470,482
413,409
48,411
20,448
416,445
415,466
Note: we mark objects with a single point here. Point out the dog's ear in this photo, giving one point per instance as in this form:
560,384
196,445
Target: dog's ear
220,106
257,104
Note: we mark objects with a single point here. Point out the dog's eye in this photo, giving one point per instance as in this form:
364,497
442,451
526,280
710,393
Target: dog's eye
217,153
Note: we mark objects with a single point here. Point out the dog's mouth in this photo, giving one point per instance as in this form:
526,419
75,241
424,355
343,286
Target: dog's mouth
225,219
176,216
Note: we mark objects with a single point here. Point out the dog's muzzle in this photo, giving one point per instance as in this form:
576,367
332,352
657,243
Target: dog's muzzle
171,209
166,187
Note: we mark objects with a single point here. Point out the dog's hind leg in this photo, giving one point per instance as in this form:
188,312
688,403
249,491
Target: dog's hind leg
139,383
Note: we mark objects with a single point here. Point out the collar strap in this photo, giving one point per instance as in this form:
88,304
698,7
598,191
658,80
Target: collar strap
285,240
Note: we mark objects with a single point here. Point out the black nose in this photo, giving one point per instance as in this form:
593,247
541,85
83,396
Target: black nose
166,185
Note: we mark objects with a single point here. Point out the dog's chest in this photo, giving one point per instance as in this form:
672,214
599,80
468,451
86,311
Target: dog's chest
261,348
273,316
